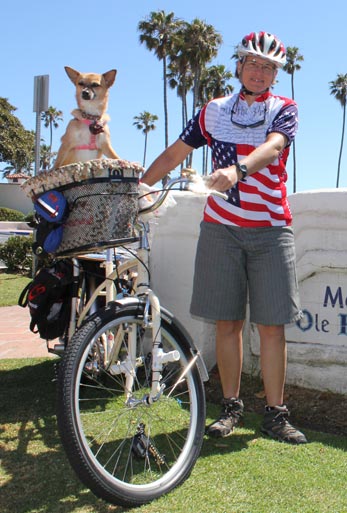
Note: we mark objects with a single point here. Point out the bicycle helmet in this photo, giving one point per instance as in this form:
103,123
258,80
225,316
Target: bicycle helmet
265,45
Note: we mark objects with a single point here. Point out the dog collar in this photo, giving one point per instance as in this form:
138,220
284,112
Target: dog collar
91,117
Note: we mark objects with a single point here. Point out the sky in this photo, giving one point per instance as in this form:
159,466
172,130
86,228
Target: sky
40,38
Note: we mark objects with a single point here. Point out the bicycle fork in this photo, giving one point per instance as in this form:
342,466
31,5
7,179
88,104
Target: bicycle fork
151,319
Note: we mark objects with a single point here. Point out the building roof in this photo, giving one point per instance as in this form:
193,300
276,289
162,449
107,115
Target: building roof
17,176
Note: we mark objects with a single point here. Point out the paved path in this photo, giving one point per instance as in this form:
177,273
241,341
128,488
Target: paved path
16,339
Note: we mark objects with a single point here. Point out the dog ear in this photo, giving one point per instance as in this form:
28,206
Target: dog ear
72,74
110,77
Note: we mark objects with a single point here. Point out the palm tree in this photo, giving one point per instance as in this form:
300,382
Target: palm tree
45,157
180,75
145,122
196,44
338,88
213,84
50,119
200,44
157,34
292,65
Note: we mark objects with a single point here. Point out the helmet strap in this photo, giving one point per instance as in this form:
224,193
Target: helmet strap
251,93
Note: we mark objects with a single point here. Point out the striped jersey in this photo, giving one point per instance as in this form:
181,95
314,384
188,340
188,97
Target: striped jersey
233,129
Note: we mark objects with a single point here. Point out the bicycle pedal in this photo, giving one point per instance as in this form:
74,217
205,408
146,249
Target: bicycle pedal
142,446
57,349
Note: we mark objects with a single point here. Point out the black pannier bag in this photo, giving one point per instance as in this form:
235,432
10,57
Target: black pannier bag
48,297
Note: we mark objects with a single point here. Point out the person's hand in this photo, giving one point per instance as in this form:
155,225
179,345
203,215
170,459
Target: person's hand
223,179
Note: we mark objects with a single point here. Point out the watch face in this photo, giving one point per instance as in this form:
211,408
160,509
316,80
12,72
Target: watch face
243,170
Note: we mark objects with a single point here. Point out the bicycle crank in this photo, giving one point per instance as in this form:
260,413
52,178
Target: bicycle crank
143,447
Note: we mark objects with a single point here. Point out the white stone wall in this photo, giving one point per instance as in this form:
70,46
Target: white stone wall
317,347
12,196
174,239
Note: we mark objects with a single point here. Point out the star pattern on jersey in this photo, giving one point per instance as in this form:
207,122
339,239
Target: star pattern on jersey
224,154
188,130
234,196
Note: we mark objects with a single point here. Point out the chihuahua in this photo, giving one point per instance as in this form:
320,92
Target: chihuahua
87,136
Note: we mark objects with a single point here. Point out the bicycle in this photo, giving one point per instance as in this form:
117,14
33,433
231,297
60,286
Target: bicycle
131,401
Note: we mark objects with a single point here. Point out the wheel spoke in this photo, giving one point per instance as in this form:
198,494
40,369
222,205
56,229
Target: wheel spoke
139,449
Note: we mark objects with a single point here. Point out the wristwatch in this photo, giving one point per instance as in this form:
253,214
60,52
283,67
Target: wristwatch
243,170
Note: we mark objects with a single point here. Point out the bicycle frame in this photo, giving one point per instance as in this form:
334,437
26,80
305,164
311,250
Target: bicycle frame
139,262
142,291
131,401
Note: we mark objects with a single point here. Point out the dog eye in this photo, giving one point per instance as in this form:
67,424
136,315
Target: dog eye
95,84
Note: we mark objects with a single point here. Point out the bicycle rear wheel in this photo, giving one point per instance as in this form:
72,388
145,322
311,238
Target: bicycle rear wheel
124,453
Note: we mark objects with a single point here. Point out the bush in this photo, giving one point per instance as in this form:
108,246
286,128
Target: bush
16,253
9,214
30,217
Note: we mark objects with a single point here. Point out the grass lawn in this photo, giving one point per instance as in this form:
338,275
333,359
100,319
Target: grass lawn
11,285
244,473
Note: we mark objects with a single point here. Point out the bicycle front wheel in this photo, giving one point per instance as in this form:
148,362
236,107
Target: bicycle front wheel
129,452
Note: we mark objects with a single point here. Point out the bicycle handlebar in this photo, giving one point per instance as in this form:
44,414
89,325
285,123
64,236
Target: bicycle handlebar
164,192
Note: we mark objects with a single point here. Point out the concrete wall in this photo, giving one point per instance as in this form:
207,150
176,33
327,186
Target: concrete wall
317,346
173,248
12,196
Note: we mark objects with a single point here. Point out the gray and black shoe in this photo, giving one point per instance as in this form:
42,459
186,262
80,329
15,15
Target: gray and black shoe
230,416
277,426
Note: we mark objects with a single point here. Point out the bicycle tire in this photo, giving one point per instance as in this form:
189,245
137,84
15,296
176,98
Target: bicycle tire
102,436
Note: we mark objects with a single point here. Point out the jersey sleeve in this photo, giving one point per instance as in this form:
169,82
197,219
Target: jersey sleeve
193,134
286,121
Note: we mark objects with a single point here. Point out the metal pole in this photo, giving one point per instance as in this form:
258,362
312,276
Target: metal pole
40,104
37,143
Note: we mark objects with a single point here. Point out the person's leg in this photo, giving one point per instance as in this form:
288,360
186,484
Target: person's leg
220,292
229,356
229,360
273,358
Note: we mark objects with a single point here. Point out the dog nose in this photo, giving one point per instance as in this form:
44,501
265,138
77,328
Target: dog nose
87,94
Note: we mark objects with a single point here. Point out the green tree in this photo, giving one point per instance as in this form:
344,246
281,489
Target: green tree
51,118
195,44
338,88
292,65
214,83
145,122
200,43
17,145
180,75
46,156
157,34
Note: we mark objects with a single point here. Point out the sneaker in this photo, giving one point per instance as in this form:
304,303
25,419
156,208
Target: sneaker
230,416
276,426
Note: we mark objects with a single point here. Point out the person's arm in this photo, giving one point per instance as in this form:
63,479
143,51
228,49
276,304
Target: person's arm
166,162
262,156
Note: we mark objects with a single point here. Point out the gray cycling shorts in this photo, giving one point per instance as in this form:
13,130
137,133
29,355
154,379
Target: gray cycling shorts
235,264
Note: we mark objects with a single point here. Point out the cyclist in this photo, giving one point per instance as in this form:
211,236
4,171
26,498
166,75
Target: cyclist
246,243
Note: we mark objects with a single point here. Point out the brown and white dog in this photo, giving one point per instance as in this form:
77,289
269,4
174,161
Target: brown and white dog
87,136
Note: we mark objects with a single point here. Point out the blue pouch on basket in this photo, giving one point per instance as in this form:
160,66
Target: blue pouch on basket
51,211
53,239
51,206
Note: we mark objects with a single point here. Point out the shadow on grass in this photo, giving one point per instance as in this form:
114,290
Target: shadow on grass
35,473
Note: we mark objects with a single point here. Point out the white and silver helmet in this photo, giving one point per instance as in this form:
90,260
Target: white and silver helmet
265,45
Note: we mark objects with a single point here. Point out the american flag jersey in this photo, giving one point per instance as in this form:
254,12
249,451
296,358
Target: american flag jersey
261,200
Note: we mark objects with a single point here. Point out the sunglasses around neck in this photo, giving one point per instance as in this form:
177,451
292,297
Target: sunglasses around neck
251,125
